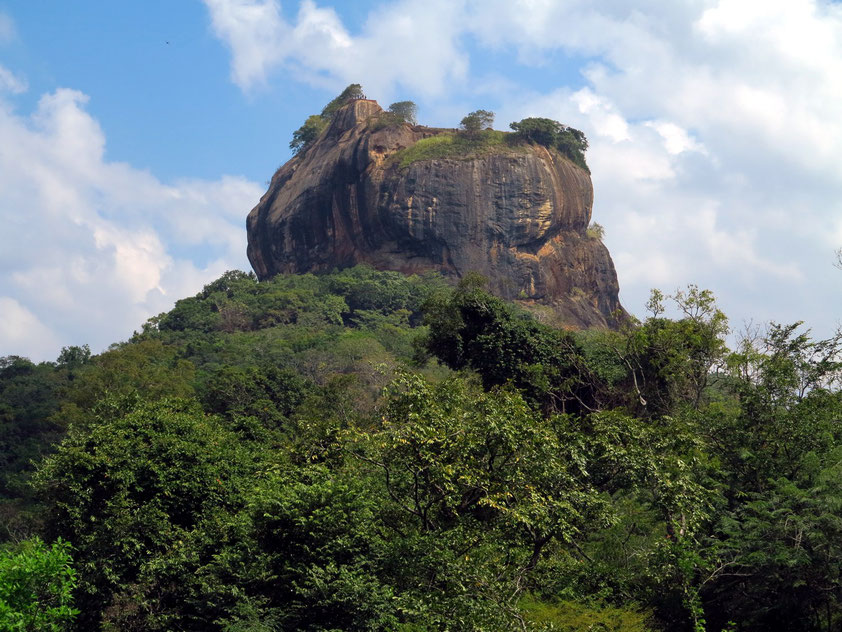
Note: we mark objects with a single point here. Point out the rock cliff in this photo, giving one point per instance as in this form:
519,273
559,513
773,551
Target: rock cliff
517,215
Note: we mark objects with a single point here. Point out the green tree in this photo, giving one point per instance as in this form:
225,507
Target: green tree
670,362
476,121
74,357
543,131
318,538
776,560
30,395
305,135
569,141
471,328
572,143
36,586
148,368
268,393
405,111
132,491
353,91
476,486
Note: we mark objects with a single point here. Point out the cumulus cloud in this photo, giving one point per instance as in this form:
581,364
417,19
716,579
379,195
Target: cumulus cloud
91,248
408,43
21,333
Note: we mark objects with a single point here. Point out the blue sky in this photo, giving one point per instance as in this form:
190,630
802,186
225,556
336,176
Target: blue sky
135,138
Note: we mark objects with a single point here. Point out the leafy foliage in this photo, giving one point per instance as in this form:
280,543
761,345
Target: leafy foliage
307,133
351,92
472,328
364,450
477,121
315,124
549,133
596,231
36,584
130,490
406,111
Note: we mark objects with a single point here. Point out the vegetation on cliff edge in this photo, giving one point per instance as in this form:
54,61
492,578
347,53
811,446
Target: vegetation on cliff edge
473,138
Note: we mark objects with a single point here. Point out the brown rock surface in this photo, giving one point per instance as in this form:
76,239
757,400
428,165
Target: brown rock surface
517,217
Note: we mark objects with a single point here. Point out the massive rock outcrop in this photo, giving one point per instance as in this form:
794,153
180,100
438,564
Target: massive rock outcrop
516,215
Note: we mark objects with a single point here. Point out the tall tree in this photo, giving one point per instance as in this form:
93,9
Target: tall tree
476,121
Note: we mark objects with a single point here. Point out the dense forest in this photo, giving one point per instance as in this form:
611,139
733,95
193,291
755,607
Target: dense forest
365,450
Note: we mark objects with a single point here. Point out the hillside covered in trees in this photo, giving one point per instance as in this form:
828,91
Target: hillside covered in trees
364,450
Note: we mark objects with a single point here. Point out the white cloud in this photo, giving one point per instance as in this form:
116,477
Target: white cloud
255,33
603,115
9,82
7,28
410,43
676,139
91,248
21,333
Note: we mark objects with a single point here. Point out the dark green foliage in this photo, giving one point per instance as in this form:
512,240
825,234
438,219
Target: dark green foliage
543,131
670,361
36,584
321,545
307,133
472,328
400,113
776,433
353,91
74,357
261,458
29,395
268,393
777,556
549,133
476,121
130,490
315,124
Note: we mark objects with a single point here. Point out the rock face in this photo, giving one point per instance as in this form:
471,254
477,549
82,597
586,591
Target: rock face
517,217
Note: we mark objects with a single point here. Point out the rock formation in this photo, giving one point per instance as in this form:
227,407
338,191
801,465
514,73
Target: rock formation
518,216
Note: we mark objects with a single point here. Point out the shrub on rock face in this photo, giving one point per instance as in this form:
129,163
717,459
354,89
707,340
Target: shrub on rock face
596,231
353,91
315,124
307,133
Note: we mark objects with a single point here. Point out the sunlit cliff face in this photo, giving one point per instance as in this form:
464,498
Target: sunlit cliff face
518,215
